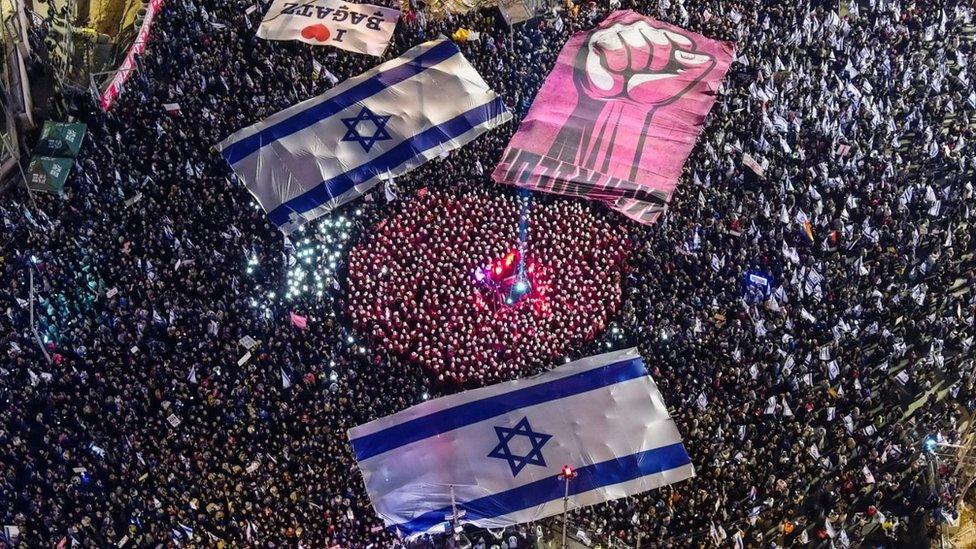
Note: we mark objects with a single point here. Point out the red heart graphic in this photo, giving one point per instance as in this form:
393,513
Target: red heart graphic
319,32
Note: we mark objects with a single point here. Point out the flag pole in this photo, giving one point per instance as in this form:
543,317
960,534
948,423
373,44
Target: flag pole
566,474
565,512
454,516
33,327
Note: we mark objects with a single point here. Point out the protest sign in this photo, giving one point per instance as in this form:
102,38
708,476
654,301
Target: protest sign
360,28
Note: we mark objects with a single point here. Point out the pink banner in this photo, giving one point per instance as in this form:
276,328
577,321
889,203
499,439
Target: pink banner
129,64
619,114
298,320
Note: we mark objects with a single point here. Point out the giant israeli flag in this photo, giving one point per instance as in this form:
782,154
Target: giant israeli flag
502,447
308,159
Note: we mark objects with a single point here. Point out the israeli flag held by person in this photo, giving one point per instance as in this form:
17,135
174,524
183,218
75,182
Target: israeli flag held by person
497,452
310,158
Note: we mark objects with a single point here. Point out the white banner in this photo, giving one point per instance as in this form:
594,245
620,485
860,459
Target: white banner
499,450
311,158
362,28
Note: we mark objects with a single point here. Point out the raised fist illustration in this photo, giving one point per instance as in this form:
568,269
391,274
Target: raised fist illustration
624,75
641,63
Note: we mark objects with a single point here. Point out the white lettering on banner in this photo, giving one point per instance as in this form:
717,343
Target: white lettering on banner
128,65
361,28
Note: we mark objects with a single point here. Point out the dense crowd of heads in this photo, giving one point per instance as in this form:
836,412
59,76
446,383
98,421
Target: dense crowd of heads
423,284
803,413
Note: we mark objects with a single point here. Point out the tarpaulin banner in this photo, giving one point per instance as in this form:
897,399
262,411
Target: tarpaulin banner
361,28
61,139
308,159
619,114
48,174
497,452
128,65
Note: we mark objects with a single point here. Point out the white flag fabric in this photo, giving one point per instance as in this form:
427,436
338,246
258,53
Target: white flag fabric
361,28
309,159
502,447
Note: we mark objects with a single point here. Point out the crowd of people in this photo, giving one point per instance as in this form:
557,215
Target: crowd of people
422,284
154,405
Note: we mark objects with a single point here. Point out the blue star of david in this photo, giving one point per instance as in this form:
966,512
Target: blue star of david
366,141
523,429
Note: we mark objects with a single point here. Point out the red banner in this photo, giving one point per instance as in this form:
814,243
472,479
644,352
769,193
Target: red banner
129,64
619,114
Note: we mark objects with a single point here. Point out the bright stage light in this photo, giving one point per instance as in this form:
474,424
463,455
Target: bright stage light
507,279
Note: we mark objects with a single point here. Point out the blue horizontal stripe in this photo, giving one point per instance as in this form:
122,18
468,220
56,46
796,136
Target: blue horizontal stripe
239,150
474,411
404,151
552,488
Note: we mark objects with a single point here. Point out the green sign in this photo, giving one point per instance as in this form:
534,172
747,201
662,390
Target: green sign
61,139
48,174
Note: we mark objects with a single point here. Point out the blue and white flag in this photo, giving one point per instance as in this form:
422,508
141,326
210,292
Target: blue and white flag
308,159
502,447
